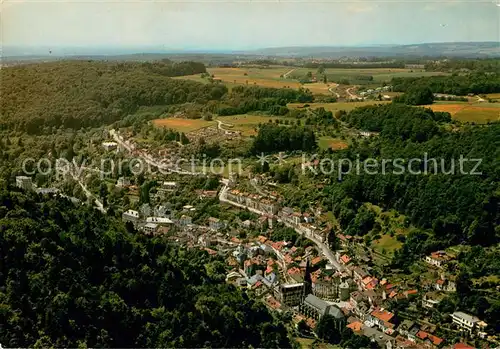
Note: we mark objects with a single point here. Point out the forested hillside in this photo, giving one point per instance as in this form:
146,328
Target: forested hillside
37,98
457,207
72,277
455,84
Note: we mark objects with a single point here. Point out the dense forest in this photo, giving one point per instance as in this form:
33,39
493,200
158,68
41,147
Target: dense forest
71,277
38,98
455,84
274,138
243,99
458,206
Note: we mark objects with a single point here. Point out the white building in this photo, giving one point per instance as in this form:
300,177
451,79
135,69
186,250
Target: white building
24,182
130,216
159,220
109,145
150,228
169,185
465,321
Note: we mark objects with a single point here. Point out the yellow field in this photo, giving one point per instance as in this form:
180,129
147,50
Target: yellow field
269,77
466,112
183,125
333,107
265,77
246,124
493,95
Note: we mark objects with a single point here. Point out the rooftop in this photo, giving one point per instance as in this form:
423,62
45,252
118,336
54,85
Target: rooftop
465,316
383,315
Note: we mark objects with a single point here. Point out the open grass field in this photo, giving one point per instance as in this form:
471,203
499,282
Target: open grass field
379,74
333,107
183,125
247,124
265,77
470,112
332,143
493,95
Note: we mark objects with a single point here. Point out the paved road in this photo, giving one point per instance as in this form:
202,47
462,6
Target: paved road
149,159
220,124
351,95
331,89
88,194
323,248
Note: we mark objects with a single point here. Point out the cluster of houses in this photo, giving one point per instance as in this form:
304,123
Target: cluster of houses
26,183
156,220
376,91
271,212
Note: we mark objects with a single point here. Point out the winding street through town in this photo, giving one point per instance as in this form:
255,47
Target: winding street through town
324,249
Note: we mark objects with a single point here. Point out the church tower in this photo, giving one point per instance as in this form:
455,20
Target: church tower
307,279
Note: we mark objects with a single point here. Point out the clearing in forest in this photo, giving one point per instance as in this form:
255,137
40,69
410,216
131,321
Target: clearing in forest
183,125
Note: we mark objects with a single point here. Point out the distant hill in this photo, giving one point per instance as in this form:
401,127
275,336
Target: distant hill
16,55
455,49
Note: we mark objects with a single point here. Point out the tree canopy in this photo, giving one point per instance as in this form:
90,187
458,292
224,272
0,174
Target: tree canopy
73,277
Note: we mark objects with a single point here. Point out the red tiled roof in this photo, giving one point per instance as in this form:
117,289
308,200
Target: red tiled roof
355,326
410,292
422,335
311,323
382,315
435,340
316,260
462,346
212,252
345,258
294,270
262,239
367,280
440,282
273,303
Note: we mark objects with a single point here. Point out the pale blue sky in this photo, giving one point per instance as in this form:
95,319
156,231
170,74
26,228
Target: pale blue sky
245,24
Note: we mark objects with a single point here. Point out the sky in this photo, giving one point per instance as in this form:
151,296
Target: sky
242,25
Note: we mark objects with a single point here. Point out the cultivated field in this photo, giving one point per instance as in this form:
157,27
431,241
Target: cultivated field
333,107
183,125
245,123
468,112
265,77
493,95
353,75
332,143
